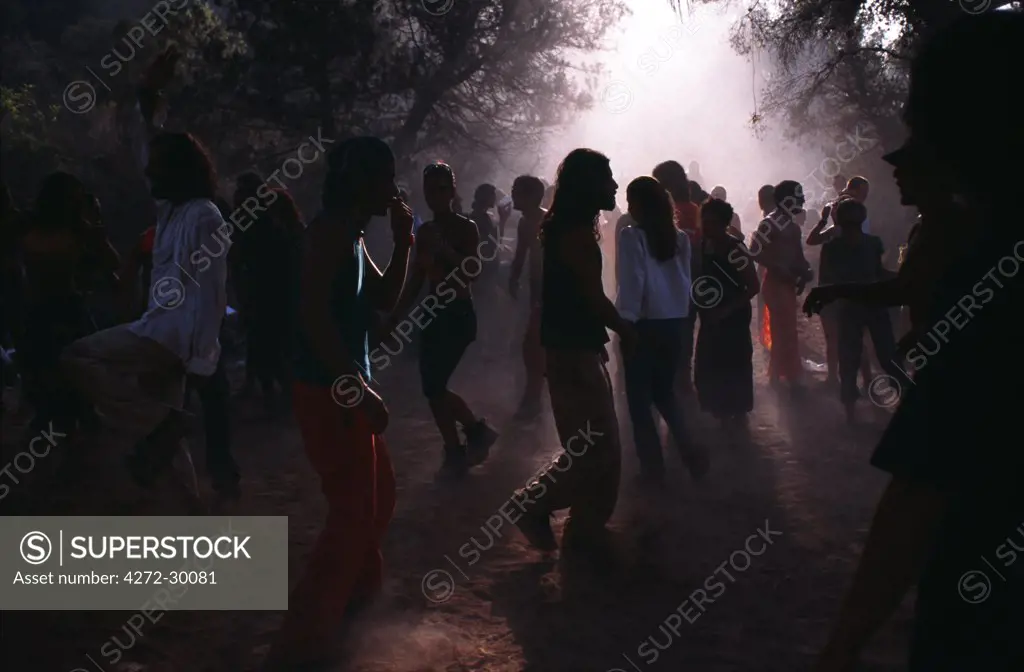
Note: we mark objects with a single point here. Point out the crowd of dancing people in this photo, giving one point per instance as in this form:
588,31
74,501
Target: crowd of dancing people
691,294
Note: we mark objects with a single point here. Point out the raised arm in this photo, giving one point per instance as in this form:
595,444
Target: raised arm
820,235
410,292
386,288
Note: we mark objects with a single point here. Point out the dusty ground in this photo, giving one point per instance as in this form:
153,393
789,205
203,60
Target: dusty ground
802,473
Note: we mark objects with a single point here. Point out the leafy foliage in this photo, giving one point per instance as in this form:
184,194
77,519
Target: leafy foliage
260,76
838,63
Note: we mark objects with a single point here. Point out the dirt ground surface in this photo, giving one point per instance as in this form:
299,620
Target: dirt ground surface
801,478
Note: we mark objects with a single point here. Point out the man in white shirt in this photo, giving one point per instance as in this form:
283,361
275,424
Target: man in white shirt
135,373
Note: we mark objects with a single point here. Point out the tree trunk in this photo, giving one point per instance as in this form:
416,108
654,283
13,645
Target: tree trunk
404,145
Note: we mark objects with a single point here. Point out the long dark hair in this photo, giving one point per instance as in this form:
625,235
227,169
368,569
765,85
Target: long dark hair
673,177
352,167
61,203
189,168
579,176
655,216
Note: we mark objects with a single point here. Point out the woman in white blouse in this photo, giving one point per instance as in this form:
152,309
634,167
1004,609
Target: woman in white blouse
653,272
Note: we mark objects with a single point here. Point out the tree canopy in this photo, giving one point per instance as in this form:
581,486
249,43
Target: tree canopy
473,77
835,64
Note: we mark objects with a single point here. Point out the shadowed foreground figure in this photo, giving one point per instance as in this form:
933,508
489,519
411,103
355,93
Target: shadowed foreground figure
61,253
135,373
341,419
950,520
575,317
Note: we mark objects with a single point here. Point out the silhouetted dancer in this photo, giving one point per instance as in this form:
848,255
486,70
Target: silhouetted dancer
448,256
575,317
527,194
62,255
341,418
672,176
949,520
653,271
856,257
135,373
723,365
777,245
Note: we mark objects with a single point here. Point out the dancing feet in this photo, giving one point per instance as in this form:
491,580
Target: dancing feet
536,527
480,436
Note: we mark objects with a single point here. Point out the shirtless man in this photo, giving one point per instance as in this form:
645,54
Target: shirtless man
447,255
527,194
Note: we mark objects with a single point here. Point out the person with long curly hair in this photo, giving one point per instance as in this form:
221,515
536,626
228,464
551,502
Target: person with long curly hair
575,318
135,373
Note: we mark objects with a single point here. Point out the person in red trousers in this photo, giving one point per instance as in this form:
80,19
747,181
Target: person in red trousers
340,417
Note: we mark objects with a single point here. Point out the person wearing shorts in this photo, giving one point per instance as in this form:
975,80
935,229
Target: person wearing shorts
448,256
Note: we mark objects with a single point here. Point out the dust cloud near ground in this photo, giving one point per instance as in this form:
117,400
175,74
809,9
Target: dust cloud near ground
690,585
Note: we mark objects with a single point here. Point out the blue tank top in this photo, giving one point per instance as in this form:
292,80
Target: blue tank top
351,311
